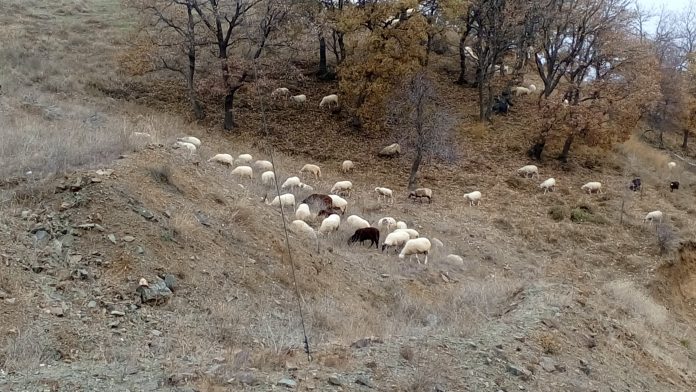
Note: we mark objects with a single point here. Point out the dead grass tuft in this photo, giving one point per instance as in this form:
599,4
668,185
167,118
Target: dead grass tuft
636,303
407,353
549,343
558,213
27,350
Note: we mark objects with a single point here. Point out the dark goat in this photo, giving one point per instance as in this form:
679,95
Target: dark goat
329,211
367,234
673,185
319,200
501,105
635,185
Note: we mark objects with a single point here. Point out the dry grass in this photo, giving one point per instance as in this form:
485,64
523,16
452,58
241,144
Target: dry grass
27,350
637,304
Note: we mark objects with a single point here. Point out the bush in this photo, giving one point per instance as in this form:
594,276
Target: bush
557,213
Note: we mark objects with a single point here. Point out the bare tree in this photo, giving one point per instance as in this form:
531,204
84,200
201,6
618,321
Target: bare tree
417,112
642,17
245,25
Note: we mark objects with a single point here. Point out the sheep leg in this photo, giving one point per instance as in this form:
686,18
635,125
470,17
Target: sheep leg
418,259
426,258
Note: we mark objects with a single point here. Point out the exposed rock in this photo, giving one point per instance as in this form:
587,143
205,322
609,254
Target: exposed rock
41,237
364,342
519,371
334,380
10,301
128,238
548,364
156,292
57,311
364,380
287,382
111,238
155,332
117,313
170,281
81,274
92,304
25,214
247,378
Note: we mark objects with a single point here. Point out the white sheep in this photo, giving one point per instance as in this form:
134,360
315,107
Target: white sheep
303,212
190,139
416,246
342,186
225,159
390,150
411,232
339,202
301,227
285,200
313,169
330,224
395,239
243,171
143,135
548,185
671,165
244,159
263,166
401,225
529,170
267,178
388,223
306,187
521,90
347,166
299,98
188,146
653,216
280,92
292,183
357,222
438,243
473,198
384,193
329,99
592,187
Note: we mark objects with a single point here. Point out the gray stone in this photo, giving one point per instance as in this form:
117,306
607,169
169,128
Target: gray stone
156,332
92,304
57,311
170,281
364,380
334,380
128,238
287,382
139,249
41,237
25,214
11,301
548,364
519,371
156,292
117,313
111,238
247,378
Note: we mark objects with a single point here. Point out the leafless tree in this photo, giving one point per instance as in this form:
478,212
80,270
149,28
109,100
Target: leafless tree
426,128
642,17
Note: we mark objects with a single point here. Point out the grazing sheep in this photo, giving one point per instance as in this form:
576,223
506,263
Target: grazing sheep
357,222
592,187
501,105
292,183
347,166
284,200
385,193
303,212
635,185
366,234
388,223
548,185
419,193
339,202
313,169
411,233
390,150
319,200
143,135
342,186
243,171
671,165
225,159
416,246
329,99
520,90
529,170
653,216
299,98
189,146
301,227
267,178
438,243
190,139
395,239
280,92
473,198
306,187
401,225
263,166
244,159
673,185
330,224
329,211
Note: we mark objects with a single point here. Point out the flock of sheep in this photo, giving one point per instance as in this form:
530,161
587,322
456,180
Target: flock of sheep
331,206
284,92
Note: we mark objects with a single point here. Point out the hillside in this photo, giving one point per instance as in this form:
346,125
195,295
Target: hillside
541,302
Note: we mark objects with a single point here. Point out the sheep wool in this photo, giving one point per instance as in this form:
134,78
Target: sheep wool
347,166
415,247
243,171
225,159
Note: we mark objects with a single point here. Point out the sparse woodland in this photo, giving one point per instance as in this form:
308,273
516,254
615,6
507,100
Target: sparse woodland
595,54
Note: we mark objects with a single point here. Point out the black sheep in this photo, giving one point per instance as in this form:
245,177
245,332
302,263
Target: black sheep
635,185
367,234
673,185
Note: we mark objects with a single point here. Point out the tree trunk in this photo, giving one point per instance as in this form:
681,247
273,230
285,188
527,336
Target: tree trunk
428,49
537,149
479,84
323,69
462,61
414,169
229,113
342,48
685,143
198,112
566,148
